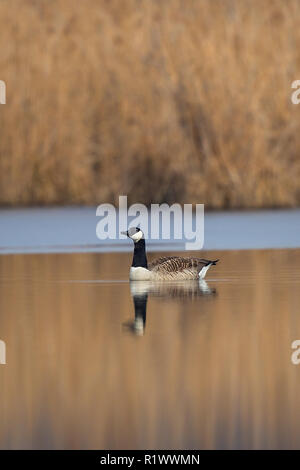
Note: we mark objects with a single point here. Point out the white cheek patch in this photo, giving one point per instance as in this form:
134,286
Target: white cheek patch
137,236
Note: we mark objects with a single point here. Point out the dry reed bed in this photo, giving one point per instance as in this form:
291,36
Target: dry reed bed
174,100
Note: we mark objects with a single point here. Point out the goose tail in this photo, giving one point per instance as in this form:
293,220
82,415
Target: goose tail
212,263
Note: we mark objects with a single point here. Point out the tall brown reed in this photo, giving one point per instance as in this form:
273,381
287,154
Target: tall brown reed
173,100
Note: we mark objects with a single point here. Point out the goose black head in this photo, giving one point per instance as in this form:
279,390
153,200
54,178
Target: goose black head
135,233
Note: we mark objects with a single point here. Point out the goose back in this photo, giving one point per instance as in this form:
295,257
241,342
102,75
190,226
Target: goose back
174,267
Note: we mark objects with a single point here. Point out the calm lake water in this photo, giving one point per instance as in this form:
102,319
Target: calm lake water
94,362
73,229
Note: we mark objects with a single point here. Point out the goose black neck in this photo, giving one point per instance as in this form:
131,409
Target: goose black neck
139,255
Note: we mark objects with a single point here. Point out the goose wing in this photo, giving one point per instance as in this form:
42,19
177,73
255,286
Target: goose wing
175,264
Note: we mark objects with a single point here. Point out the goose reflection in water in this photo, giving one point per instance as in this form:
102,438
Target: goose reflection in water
140,290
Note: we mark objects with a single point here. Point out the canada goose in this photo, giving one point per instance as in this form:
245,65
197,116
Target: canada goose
166,268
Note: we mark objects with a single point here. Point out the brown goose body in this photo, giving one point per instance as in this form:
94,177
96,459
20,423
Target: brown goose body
176,268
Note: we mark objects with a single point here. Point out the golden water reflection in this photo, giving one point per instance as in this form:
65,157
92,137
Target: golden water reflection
212,370
140,290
